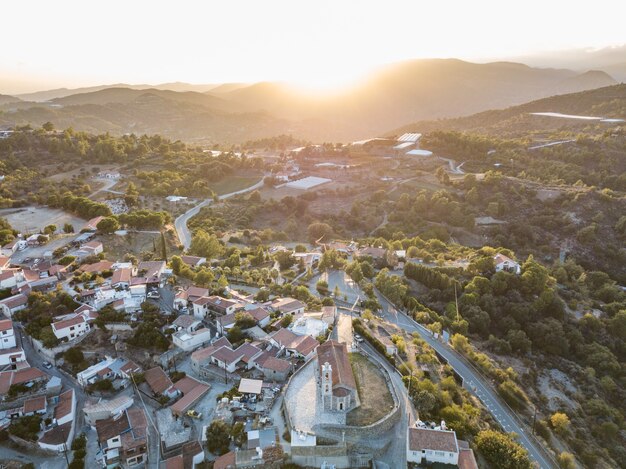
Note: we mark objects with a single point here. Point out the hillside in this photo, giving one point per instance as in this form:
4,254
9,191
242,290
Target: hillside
400,93
608,102
6,99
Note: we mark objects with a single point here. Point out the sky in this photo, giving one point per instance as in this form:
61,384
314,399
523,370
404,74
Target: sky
314,43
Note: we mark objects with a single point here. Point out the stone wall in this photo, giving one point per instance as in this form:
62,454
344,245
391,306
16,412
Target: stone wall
314,456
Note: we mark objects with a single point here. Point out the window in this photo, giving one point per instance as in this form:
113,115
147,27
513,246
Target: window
6,340
439,453
72,328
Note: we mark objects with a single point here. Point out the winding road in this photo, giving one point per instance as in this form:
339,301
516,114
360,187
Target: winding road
184,235
474,382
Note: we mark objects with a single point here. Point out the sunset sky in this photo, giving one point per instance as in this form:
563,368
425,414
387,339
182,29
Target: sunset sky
313,43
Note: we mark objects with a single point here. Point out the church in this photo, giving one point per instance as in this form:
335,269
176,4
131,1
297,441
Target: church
336,381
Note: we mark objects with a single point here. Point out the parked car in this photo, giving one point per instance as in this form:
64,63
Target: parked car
194,414
47,365
358,338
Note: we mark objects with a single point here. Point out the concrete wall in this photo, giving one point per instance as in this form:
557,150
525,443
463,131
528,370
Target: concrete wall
314,456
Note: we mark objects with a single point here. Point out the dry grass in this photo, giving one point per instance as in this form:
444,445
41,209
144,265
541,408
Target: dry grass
376,399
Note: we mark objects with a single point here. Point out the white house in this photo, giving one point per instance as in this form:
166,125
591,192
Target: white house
10,278
104,409
187,323
288,306
7,335
13,304
71,328
202,306
432,446
189,341
507,264
100,370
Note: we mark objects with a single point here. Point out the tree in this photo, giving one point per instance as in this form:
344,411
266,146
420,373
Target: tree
319,231
205,245
49,230
502,451
163,247
218,439
235,335
108,225
176,262
47,126
566,460
560,423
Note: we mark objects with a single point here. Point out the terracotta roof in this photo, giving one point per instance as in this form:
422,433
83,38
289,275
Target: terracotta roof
176,462
287,304
64,407
185,321
84,309
467,459
121,275
97,267
132,419
25,375
158,381
190,398
258,313
336,354
35,404
191,260
248,350
499,258
7,274
15,301
6,324
186,384
226,461
283,336
372,252
304,344
435,440
130,367
73,321
276,364
152,268
93,223
58,435
227,355
204,353
4,261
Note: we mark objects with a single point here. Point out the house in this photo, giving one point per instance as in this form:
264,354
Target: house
300,346
121,278
191,456
432,446
96,267
193,261
151,269
92,248
71,328
466,456
9,249
221,354
288,306
504,263
186,297
66,407
214,304
7,335
203,356
35,406
380,256
109,368
187,323
274,369
44,284
27,376
337,384
13,304
10,278
189,341
192,391
123,439
160,383
260,315
105,409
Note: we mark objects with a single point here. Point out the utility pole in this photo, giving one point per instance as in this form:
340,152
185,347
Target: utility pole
534,418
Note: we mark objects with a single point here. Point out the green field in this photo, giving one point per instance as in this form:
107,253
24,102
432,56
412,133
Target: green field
234,184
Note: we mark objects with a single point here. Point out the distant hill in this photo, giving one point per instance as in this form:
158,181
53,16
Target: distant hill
405,92
608,102
48,95
6,99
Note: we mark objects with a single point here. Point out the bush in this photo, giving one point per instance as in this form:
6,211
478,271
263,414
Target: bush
80,442
377,344
77,464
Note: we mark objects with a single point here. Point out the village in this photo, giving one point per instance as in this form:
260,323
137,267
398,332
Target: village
245,378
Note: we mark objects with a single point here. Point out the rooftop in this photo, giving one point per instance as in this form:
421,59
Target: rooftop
435,440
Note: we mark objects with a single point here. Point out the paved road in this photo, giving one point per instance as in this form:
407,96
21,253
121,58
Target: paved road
184,235
107,184
473,381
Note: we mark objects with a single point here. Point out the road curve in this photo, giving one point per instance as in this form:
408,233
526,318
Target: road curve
476,384
184,235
